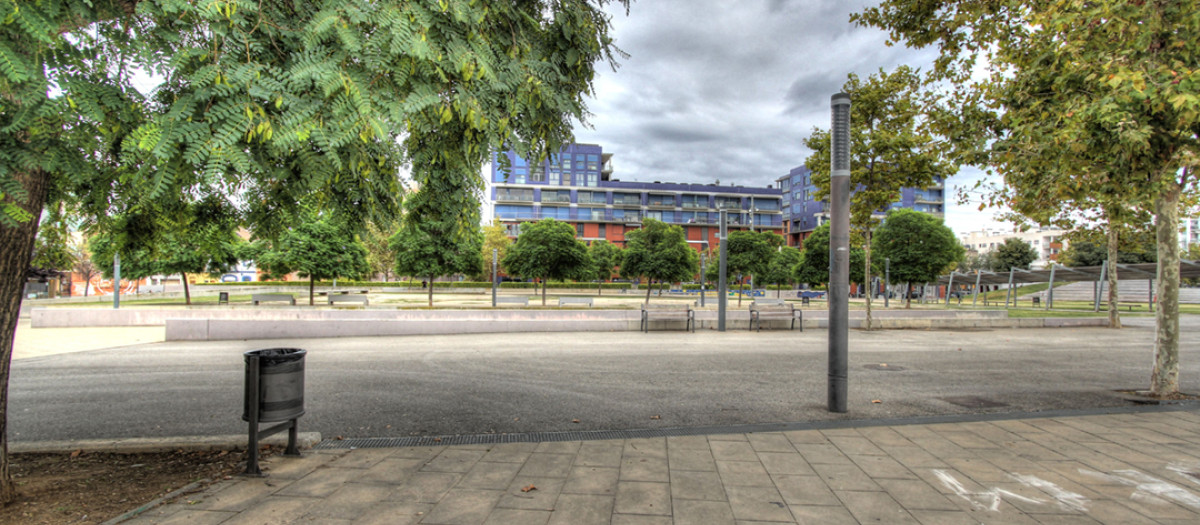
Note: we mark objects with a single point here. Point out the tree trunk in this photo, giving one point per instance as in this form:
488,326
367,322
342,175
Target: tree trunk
600,287
1114,315
649,288
187,295
544,283
1164,380
312,284
907,296
741,290
778,290
431,291
14,261
867,277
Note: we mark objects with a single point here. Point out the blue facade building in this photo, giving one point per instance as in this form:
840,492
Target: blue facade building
576,186
802,212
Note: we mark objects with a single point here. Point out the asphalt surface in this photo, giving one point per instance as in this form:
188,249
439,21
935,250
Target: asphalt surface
473,384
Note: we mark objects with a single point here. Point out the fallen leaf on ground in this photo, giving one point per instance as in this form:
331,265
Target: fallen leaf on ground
339,438
529,488
76,453
655,417
574,420
876,401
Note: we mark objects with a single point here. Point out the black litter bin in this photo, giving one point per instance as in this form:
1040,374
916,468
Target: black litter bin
274,392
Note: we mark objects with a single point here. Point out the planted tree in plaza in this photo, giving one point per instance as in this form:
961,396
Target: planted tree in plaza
919,246
82,262
1108,87
780,269
495,237
606,257
658,252
52,249
317,248
891,148
749,253
1013,253
813,268
437,238
380,255
547,250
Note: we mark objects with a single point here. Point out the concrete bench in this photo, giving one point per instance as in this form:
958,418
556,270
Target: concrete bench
348,299
668,312
564,301
522,300
1129,306
774,309
269,297
342,292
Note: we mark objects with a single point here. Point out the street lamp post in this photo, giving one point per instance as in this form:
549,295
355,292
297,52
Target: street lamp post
839,252
722,292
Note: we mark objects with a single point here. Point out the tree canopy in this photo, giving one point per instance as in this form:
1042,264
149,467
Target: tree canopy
1013,253
658,252
918,245
318,248
780,271
494,238
606,257
813,268
546,250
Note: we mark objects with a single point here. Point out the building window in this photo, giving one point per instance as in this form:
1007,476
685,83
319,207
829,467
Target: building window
628,199
603,234
579,230
514,194
556,196
555,176
537,175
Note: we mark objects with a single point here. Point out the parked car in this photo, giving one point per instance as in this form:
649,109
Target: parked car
811,294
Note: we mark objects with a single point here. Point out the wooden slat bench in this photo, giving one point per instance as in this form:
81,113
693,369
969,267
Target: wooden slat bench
268,297
564,301
349,299
774,309
522,300
678,312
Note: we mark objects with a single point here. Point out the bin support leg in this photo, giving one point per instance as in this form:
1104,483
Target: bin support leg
292,450
252,468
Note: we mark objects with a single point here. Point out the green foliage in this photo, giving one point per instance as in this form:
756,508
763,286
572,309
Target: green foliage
1013,253
52,249
606,257
659,252
316,249
813,268
380,255
1090,248
919,246
780,270
494,238
547,250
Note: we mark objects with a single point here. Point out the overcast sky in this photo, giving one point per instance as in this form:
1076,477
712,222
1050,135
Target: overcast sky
720,90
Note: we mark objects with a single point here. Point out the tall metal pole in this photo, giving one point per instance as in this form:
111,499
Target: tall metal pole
722,290
887,280
495,275
975,297
116,281
1100,288
703,281
949,288
839,252
1008,293
1050,290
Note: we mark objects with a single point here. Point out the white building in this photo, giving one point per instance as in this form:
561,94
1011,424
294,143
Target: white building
1047,242
1189,232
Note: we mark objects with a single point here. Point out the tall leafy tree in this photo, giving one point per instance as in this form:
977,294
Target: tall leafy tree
436,239
1013,253
380,256
1108,86
920,247
494,238
658,252
317,248
780,269
606,257
83,264
749,253
891,147
52,248
547,250
265,103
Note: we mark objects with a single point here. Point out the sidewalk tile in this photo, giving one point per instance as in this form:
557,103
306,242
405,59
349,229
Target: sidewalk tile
845,477
687,442
980,470
362,458
1113,513
637,497
822,515
692,512
805,490
454,460
806,437
785,463
592,480
874,507
425,487
599,454
733,451
965,439
637,468
424,453
559,447
696,485
744,473
882,467
758,503
509,453
392,513
770,442
320,483
1064,519
646,448
238,495
518,517
728,437
626,519
281,467
547,465
913,457
943,517
916,494
489,476
885,436
274,510
822,454
691,459
463,507
392,471
184,517
542,498
582,509
351,501
856,446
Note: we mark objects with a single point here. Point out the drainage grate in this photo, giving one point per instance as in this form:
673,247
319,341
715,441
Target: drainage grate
973,402
884,367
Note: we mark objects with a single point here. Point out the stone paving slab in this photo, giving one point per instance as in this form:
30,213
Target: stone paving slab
1123,468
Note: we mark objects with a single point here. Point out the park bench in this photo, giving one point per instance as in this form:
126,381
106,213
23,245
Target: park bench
349,299
679,312
268,297
564,301
1129,306
522,300
774,309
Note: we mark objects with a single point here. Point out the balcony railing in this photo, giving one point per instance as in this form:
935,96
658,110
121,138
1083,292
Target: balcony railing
608,215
